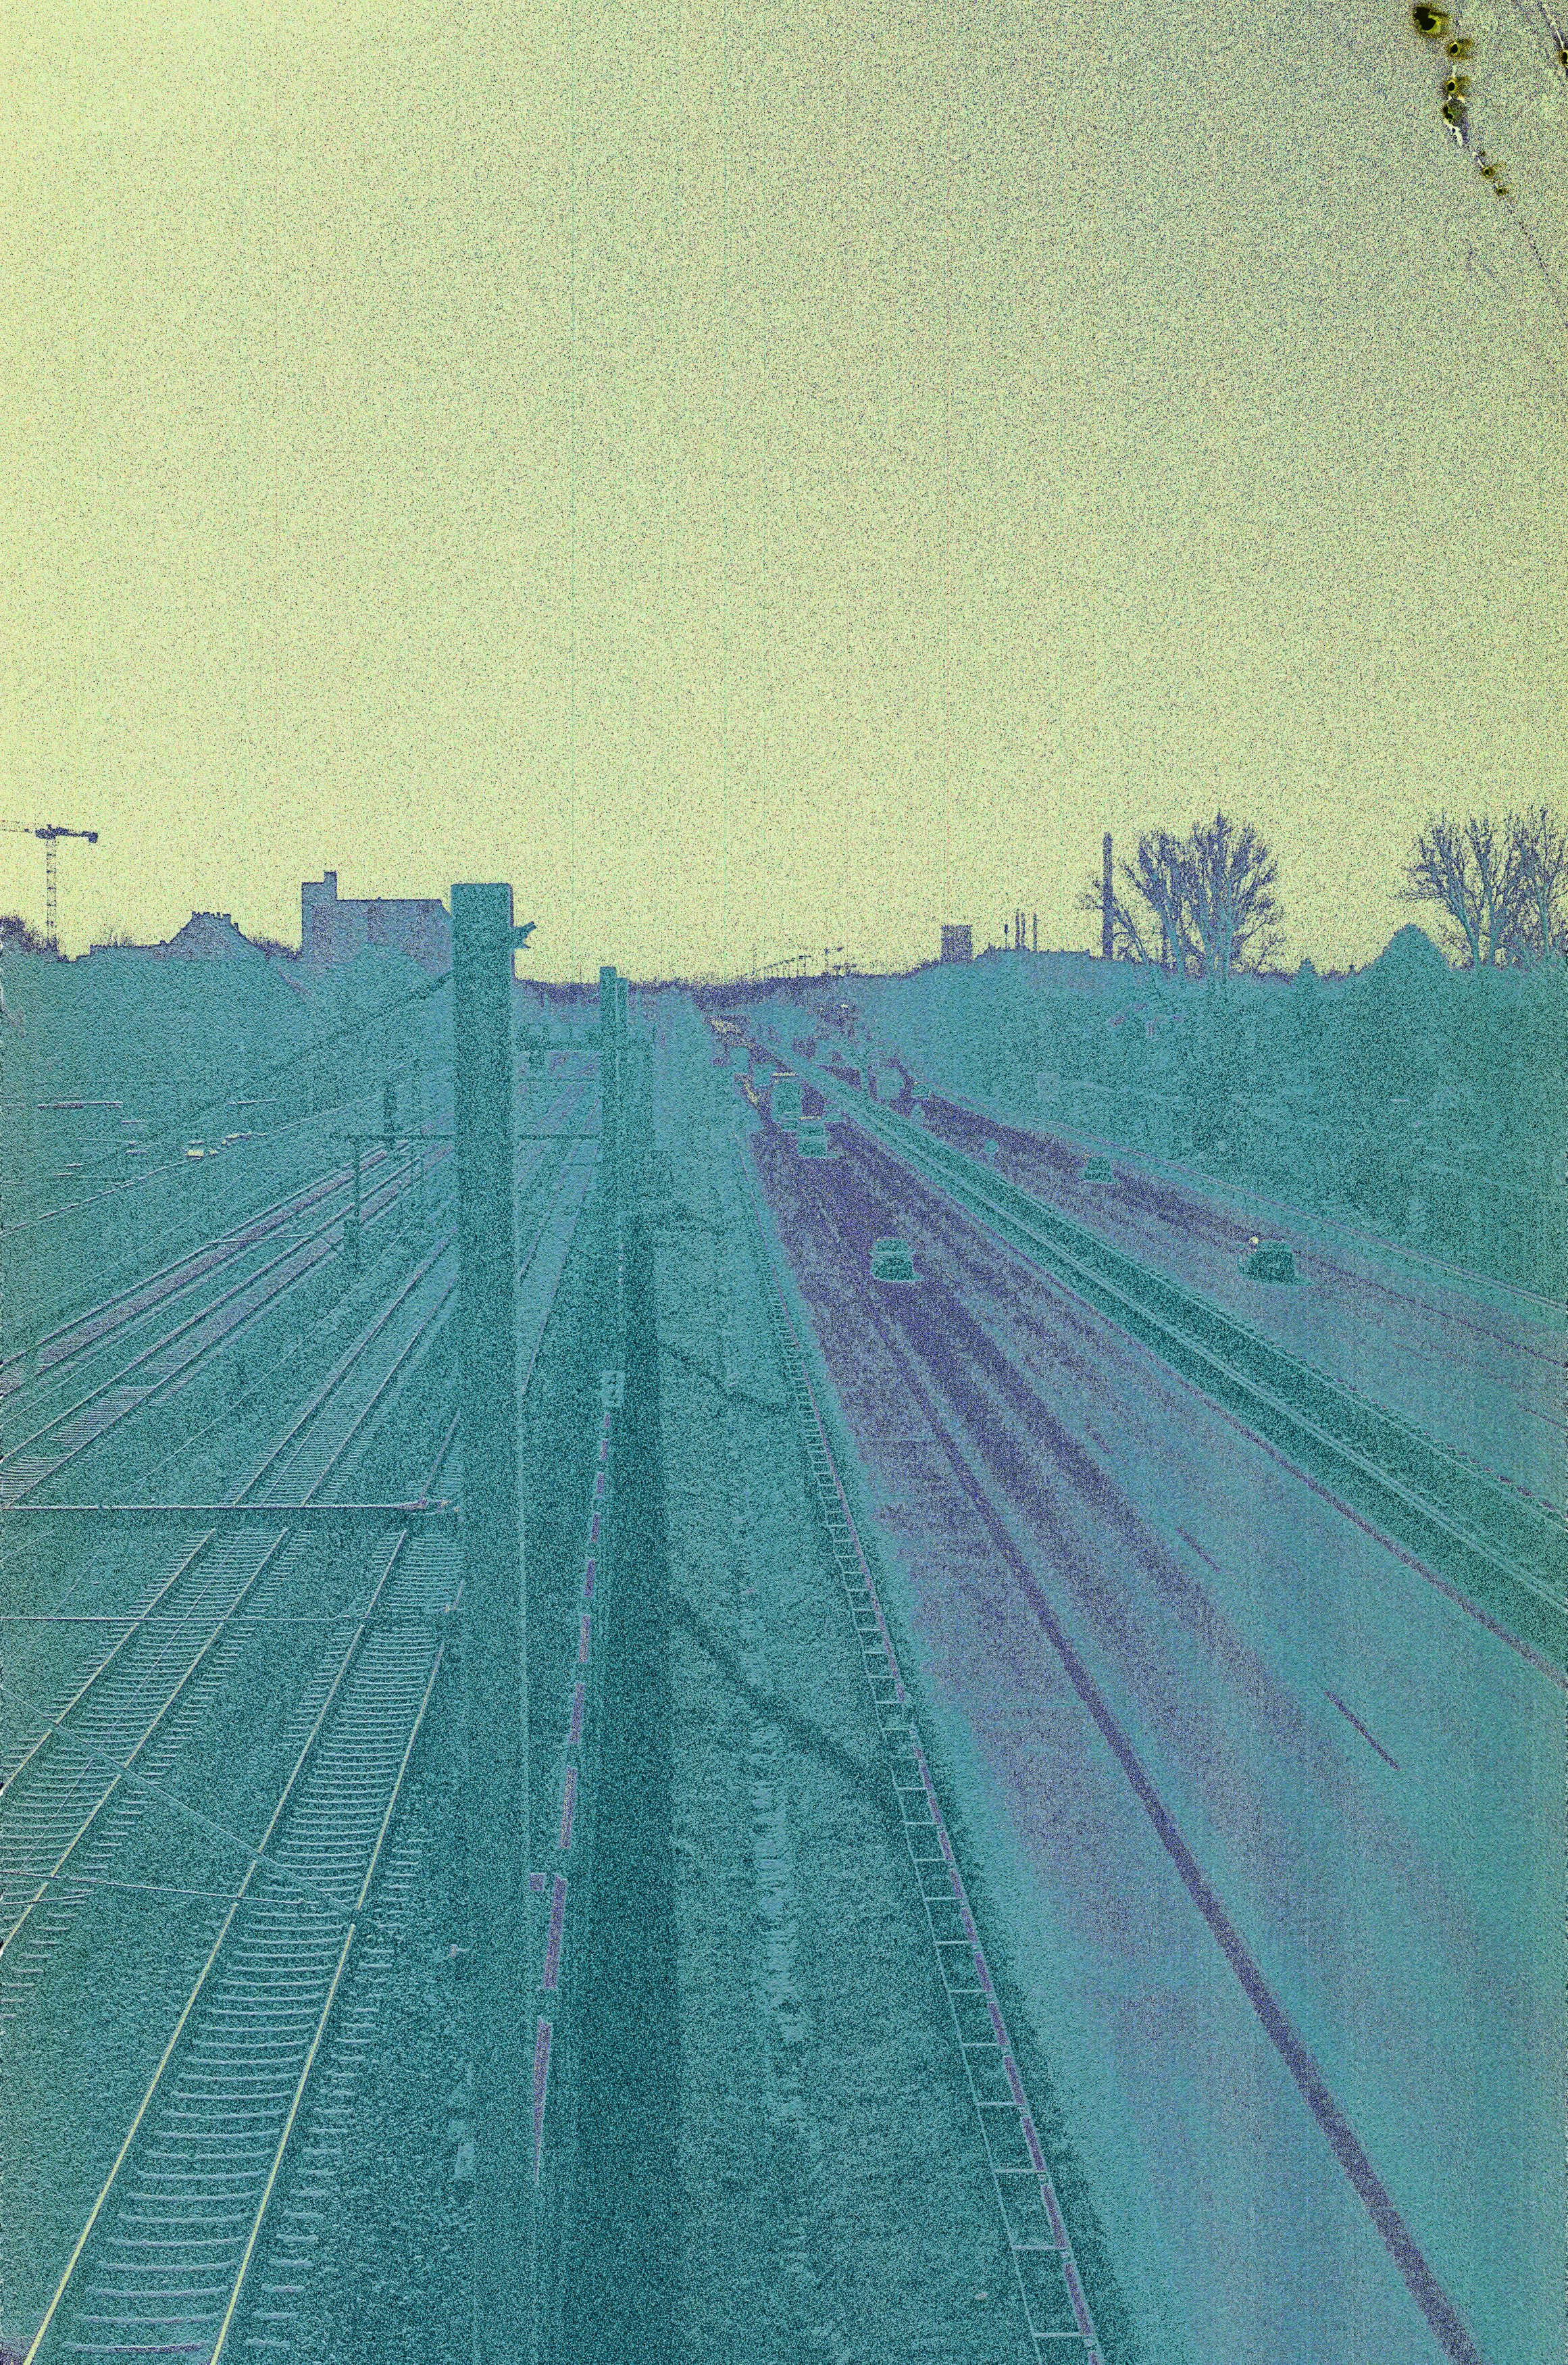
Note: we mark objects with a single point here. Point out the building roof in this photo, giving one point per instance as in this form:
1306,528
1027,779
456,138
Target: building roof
207,936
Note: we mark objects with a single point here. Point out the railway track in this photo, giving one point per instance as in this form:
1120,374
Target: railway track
1503,1552
167,1363
147,1247
153,1679
68,1340
160,2267
1046,2270
167,2261
127,1716
46,1367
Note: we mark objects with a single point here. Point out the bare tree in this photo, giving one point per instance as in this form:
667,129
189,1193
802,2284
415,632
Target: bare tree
1199,905
1538,883
1464,869
1132,937
1231,877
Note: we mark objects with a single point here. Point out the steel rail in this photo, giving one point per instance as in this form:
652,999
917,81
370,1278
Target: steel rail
237,1512
260,1512
377,1205
261,1516
124,1762
1045,2266
185,1272
367,1411
1500,1550
315,1249
181,1273
205,1973
157,1347
171,1130
137,1622
290,2119
385,1196
345,1364
527,1259
221,1519
310,2062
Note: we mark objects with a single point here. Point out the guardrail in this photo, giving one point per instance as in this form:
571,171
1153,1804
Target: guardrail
1506,1554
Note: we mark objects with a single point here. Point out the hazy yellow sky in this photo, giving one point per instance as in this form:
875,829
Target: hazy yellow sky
766,477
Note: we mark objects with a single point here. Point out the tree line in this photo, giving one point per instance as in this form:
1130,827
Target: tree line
1207,903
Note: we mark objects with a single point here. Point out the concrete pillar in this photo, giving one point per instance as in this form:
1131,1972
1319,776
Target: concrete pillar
495,1659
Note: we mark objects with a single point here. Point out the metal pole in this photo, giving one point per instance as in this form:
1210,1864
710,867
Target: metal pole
493,1630
609,1062
352,1243
624,1089
609,1125
1105,944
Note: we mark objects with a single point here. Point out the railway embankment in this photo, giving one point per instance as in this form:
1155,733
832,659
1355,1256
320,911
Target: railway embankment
835,2177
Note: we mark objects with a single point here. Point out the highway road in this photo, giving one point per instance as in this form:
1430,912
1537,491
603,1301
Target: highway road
1476,1365
1261,1804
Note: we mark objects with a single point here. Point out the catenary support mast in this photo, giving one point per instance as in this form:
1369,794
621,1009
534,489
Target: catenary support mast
494,1628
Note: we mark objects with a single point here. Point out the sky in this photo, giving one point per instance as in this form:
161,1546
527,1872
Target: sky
765,478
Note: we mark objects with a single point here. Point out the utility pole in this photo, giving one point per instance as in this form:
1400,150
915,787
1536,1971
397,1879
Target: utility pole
1105,937
495,1629
1033,932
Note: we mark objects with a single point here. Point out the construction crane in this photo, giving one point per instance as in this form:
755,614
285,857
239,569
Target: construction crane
51,832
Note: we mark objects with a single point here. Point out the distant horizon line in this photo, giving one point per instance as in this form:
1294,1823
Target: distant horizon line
709,980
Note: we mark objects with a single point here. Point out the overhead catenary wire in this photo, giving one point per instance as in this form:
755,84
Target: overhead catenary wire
186,1120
